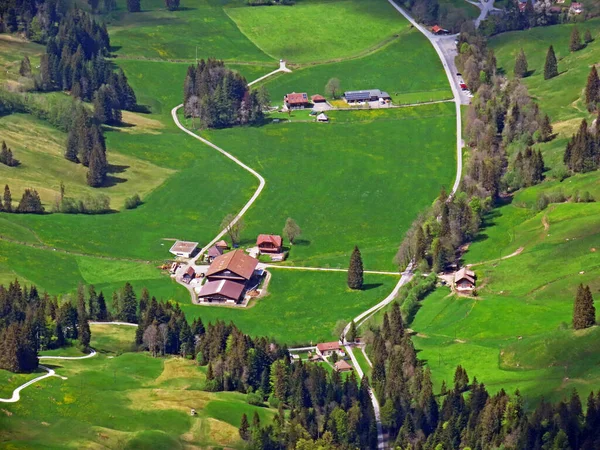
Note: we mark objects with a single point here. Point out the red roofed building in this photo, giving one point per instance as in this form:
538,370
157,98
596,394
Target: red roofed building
234,266
221,291
436,29
329,348
464,280
318,98
269,243
342,366
296,101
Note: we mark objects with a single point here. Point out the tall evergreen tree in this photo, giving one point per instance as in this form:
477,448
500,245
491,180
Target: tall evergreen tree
244,428
575,40
25,68
587,36
134,6
355,271
102,314
584,312
521,66
7,199
592,90
98,167
551,65
129,304
546,130
30,203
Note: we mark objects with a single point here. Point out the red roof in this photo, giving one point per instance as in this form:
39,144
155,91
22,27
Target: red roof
269,239
237,262
190,271
318,98
342,366
222,244
328,346
296,99
436,29
226,288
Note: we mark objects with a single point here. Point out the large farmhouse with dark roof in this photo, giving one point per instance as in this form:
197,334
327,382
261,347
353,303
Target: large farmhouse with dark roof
296,101
234,266
370,95
221,291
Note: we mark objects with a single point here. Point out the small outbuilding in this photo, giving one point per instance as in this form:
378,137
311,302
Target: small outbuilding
213,253
222,244
184,249
269,243
188,275
318,99
322,118
326,349
342,366
464,280
436,29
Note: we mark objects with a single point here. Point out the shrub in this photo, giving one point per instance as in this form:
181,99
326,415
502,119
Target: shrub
133,202
254,399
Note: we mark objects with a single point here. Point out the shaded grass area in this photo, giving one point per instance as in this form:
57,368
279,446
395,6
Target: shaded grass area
397,160
408,69
12,50
316,30
560,97
199,26
127,400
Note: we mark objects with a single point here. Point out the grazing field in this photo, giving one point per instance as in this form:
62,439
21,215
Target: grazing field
560,97
156,33
397,160
12,50
40,147
122,400
301,307
316,30
408,68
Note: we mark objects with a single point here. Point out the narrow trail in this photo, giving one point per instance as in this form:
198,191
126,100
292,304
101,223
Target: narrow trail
16,396
512,255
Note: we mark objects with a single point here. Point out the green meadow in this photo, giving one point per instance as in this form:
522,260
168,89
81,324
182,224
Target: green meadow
122,400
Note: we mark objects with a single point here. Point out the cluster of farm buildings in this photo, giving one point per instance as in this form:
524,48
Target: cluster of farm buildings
301,100
231,277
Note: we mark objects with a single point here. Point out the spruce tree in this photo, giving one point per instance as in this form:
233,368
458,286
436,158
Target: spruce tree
129,304
521,66
30,203
25,68
551,65
134,6
96,175
587,36
355,271
546,129
9,359
7,199
575,41
85,334
584,312
351,336
102,314
244,428
592,90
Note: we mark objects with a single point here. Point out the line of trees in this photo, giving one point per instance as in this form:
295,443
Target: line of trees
220,97
582,153
30,322
30,202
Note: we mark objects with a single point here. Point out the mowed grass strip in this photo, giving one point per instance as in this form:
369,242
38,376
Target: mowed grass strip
408,68
317,30
199,28
338,180
113,399
560,97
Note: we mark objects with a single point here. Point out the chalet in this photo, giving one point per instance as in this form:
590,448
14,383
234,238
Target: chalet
329,348
234,266
576,8
436,29
221,291
188,275
322,118
342,366
318,99
371,95
223,245
213,253
296,101
183,248
269,243
464,280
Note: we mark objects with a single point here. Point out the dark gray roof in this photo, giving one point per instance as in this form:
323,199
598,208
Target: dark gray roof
357,95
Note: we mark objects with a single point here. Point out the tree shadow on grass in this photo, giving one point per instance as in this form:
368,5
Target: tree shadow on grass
369,286
301,243
113,168
113,181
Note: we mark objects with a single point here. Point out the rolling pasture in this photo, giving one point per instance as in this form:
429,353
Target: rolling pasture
123,400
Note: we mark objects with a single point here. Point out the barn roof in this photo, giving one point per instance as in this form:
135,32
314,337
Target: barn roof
269,238
294,98
236,261
183,247
226,288
342,366
328,346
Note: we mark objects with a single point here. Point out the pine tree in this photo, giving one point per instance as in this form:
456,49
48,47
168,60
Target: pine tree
587,36
351,336
420,244
85,335
546,129
7,199
575,41
9,359
355,271
551,65
134,6
584,312
102,313
592,90
129,304
25,68
244,428
521,66
30,203
98,167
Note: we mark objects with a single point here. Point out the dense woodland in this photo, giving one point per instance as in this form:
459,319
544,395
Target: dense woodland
220,97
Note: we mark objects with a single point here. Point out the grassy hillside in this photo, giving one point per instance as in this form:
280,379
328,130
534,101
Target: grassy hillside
560,97
317,30
122,400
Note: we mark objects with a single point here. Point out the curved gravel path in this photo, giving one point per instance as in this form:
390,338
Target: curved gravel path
51,373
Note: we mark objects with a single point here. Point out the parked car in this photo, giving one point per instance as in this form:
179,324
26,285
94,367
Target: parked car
459,74
463,86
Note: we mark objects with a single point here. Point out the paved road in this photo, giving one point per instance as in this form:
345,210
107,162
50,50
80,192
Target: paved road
114,323
51,373
282,68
